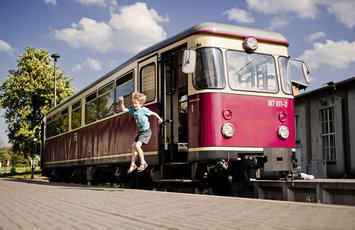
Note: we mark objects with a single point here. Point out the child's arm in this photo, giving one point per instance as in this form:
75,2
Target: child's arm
157,116
124,109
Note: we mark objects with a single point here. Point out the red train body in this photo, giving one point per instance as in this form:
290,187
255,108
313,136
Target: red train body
227,109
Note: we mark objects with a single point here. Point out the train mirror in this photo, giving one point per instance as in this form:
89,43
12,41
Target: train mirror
299,71
306,73
189,61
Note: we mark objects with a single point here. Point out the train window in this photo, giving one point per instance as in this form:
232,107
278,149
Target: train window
49,127
56,124
91,108
106,89
64,121
252,72
209,69
125,88
148,81
285,73
76,115
106,101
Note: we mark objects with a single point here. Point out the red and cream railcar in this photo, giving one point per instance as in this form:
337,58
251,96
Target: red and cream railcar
225,94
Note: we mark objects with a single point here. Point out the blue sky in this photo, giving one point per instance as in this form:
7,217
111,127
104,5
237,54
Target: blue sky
94,36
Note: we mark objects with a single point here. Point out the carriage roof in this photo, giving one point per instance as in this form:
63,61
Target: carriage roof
202,28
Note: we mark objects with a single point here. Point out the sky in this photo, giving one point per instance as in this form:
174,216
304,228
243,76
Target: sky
94,36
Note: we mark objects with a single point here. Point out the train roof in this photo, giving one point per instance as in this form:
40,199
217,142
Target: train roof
207,28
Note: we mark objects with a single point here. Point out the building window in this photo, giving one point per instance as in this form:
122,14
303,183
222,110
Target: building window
297,128
328,134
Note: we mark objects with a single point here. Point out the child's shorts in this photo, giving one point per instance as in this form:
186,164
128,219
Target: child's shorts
144,136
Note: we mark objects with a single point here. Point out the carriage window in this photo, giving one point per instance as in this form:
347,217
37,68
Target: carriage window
251,72
106,101
125,88
76,115
64,121
58,124
49,127
91,108
148,81
209,69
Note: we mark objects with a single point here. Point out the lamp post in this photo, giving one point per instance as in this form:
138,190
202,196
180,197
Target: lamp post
55,56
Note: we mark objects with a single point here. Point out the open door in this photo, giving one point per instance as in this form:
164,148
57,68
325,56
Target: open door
175,106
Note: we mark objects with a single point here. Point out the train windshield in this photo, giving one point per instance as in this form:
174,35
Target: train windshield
251,72
209,69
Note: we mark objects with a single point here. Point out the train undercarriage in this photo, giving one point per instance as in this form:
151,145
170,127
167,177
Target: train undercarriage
227,177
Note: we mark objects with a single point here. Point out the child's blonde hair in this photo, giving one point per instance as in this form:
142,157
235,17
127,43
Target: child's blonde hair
140,97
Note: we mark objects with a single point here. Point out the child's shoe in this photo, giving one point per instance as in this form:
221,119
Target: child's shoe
131,168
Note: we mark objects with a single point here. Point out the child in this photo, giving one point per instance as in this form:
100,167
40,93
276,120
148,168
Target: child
141,115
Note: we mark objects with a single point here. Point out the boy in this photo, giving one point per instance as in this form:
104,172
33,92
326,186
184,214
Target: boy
141,115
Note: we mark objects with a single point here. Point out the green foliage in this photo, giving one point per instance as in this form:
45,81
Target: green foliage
4,155
27,95
19,160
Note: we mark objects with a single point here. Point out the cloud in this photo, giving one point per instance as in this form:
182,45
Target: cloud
93,64
77,67
303,8
338,55
88,33
90,63
344,10
135,27
53,2
101,3
239,15
4,46
278,22
315,36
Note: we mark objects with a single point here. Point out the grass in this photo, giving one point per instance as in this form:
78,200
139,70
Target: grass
21,172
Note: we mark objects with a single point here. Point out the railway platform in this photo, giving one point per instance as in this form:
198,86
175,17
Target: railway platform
325,191
27,204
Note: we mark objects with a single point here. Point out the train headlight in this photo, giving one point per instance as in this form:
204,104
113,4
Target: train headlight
250,44
283,132
228,130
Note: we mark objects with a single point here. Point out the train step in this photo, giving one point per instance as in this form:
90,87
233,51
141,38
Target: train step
176,171
178,181
175,163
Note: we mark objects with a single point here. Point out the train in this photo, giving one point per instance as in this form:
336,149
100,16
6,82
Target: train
224,93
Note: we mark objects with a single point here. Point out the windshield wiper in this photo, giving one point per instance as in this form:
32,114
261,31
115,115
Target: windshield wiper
246,64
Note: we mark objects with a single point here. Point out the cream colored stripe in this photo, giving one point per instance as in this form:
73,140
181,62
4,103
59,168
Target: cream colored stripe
216,148
99,157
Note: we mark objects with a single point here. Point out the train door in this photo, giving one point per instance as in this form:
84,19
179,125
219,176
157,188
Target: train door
175,109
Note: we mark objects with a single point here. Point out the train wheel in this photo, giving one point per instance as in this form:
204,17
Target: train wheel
220,183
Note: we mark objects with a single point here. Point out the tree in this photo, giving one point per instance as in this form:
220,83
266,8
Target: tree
27,95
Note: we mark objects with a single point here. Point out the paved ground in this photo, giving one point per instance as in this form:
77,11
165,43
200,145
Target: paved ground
28,204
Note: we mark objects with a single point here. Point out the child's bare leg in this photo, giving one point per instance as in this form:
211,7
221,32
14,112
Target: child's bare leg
143,164
133,166
134,153
140,151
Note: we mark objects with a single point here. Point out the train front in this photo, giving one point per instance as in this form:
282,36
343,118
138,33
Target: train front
241,108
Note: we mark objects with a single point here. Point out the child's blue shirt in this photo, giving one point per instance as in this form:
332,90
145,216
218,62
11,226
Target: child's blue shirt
141,117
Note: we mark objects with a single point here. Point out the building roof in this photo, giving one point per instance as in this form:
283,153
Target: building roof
327,86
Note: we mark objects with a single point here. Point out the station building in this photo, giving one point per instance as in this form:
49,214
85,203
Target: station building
325,130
